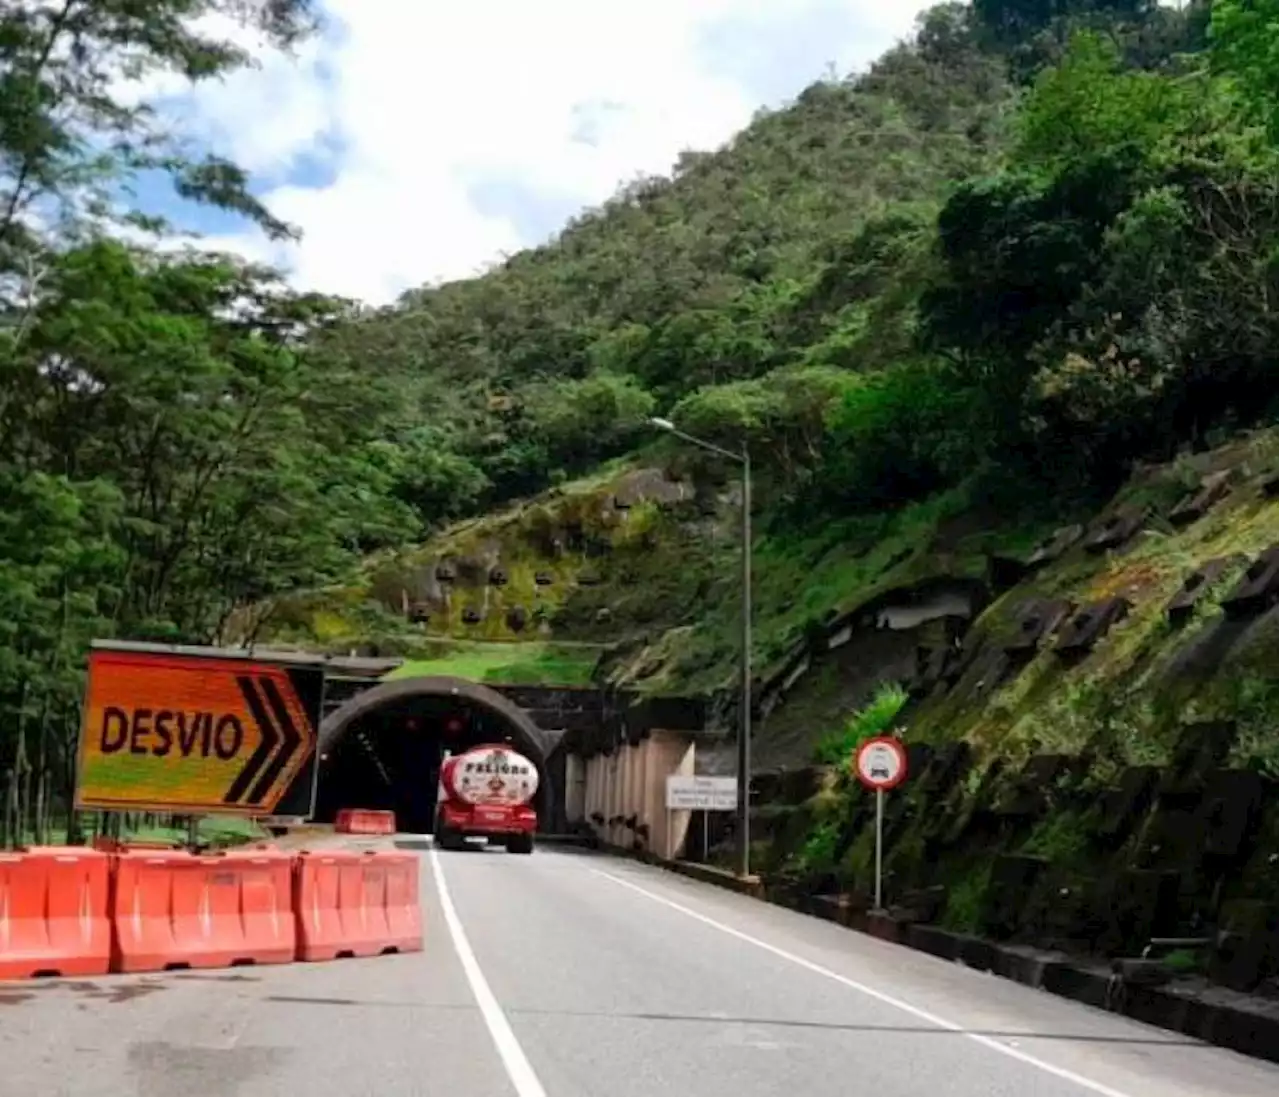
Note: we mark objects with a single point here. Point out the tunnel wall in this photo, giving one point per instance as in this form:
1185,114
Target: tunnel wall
624,793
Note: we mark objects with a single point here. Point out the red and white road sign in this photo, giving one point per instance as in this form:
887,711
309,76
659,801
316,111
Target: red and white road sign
881,763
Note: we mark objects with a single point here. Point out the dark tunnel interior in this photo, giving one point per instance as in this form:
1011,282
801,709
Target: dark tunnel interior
390,758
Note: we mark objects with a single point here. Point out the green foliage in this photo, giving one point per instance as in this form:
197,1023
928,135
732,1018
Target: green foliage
781,416
431,477
876,718
895,438
1243,47
1013,22
507,664
165,462
585,420
1091,102
1113,284
963,911
818,853
1061,838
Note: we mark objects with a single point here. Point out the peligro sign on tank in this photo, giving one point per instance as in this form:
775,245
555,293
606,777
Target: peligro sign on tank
493,775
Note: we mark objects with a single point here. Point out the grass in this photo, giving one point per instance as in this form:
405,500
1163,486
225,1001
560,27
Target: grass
964,902
1119,697
807,576
531,664
801,577
217,830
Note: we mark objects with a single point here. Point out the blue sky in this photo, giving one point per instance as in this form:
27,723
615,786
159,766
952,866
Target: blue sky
412,142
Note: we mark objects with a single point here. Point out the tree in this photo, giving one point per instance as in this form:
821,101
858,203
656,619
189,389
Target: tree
1244,40
171,452
587,420
1093,103
211,423
69,132
57,561
896,437
781,416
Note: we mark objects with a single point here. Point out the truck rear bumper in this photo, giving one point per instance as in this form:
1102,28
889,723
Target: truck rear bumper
469,825
487,832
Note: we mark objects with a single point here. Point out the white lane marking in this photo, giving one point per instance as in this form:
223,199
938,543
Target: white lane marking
523,1079
871,992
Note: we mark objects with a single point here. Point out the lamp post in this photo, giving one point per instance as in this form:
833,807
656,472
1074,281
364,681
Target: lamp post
743,459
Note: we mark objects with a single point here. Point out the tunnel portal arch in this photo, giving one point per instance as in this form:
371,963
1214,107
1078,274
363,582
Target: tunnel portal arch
527,737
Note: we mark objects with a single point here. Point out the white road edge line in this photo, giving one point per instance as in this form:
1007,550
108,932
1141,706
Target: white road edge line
513,1058
871,992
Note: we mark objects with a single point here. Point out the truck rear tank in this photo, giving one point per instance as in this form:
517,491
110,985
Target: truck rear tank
487,792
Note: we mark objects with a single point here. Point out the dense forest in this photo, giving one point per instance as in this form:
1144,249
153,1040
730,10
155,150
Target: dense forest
1031,246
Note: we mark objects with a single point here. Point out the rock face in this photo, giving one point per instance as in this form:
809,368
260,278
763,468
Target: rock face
1092,752
1049,855
579,564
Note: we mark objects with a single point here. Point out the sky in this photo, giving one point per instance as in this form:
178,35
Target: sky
417,141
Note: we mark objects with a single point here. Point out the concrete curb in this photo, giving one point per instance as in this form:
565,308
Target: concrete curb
1255,1033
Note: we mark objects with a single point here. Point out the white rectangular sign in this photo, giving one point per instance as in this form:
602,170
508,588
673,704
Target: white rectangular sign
702,793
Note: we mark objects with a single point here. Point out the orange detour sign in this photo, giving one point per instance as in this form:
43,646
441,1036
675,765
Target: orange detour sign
197,733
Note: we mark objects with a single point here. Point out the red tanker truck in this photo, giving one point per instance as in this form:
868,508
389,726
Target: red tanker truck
487,792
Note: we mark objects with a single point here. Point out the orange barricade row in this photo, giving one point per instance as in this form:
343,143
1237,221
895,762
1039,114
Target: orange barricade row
183,910
364,821
356,904
53,912
81,912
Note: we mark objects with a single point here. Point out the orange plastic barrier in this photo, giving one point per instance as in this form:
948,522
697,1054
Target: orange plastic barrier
365,821
181,910
356,904
53,912
115,845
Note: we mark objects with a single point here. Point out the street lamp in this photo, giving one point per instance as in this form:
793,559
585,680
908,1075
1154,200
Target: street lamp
743,458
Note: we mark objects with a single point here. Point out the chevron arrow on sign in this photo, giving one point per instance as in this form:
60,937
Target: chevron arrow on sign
277,747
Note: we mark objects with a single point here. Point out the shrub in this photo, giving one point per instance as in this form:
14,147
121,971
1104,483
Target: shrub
875,718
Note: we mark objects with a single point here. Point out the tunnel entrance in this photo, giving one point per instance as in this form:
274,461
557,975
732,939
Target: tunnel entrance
383,748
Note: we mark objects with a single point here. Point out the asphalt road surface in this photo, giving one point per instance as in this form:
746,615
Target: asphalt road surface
568,974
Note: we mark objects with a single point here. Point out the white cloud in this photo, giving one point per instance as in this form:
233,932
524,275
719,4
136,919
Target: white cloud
415,101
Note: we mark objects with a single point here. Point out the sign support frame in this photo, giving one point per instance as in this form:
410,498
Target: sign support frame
315,761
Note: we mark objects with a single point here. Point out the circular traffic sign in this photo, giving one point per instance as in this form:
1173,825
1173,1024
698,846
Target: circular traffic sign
881,763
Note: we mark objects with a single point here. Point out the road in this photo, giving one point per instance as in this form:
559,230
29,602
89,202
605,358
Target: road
569,974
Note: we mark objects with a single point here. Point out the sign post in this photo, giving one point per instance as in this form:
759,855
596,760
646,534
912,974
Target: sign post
880,764
198,731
